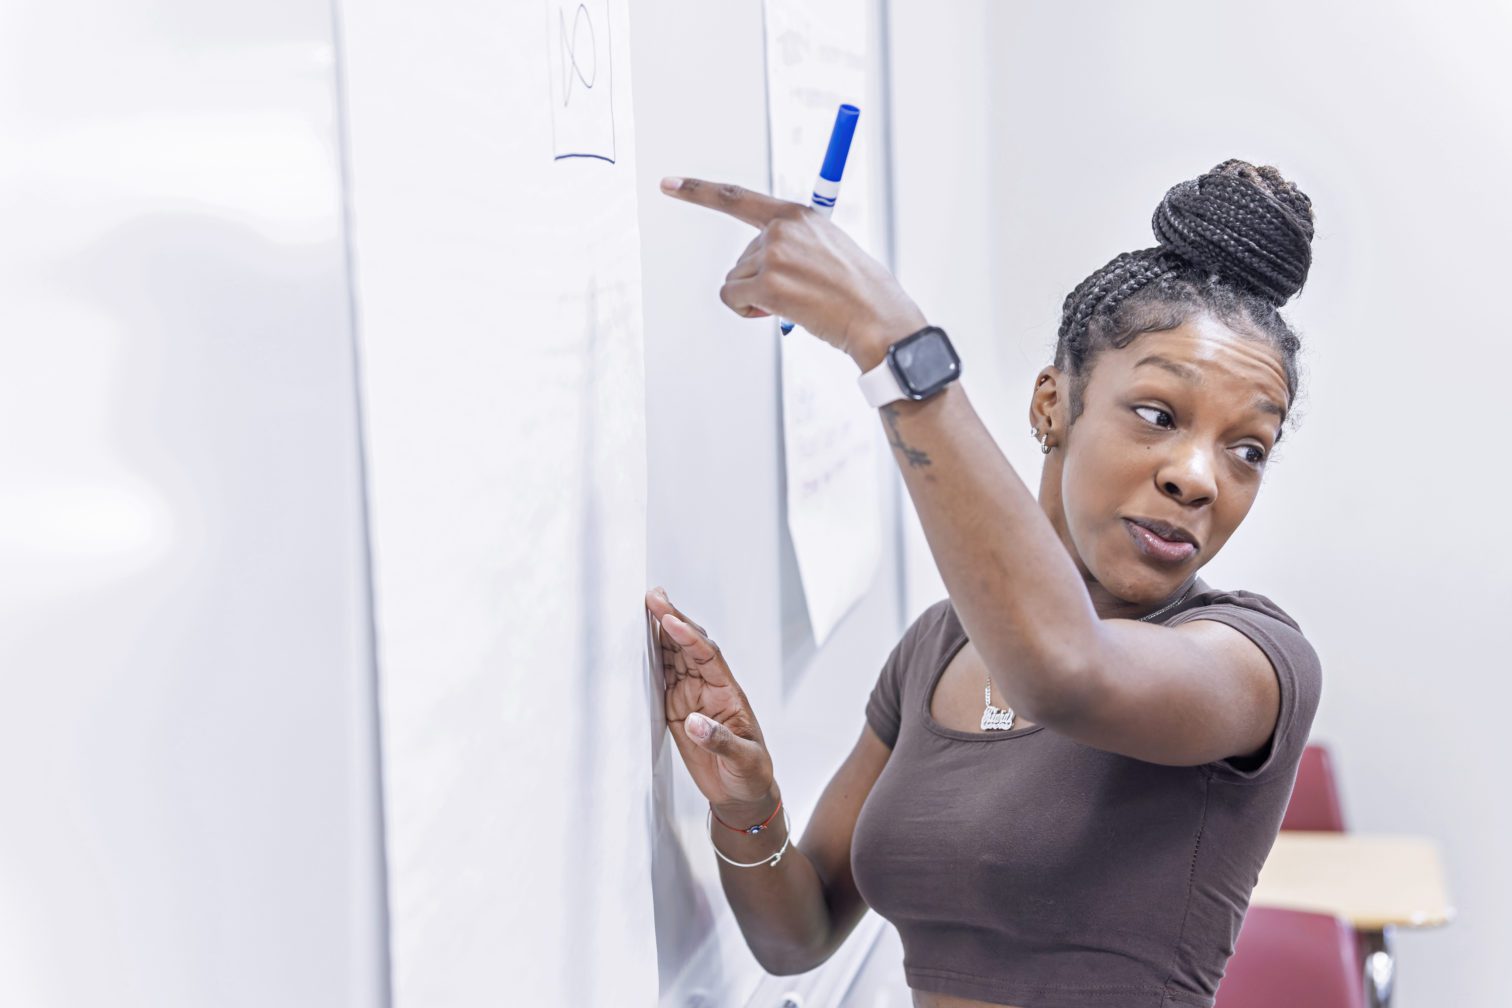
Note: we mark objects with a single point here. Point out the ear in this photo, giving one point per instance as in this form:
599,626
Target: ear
1047,401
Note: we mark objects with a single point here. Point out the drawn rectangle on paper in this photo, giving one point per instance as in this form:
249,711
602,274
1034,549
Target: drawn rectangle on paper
582,79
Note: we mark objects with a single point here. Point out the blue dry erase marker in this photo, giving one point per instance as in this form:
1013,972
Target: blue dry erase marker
827,185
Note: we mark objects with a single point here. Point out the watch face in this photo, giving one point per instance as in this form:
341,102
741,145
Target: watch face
925,362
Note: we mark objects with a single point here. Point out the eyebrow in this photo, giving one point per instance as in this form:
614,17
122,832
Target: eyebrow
1191,374
1179,370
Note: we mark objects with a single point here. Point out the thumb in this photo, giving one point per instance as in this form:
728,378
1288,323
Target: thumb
715,737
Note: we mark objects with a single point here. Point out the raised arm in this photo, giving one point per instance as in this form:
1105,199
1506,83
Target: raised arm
1182,695
1186,695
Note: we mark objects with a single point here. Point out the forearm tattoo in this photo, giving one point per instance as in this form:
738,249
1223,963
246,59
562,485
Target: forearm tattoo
913,456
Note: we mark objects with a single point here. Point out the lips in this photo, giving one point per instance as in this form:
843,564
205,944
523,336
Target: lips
1182,546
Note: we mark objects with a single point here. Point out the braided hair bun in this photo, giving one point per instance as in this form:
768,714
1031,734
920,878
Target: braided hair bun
1246,224
1235,243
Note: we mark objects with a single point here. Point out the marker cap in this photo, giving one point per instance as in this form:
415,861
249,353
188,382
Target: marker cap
840,142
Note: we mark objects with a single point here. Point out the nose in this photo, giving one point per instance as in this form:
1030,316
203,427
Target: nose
1187,476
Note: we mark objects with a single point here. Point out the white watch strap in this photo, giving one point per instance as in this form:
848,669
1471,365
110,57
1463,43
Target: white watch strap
880,386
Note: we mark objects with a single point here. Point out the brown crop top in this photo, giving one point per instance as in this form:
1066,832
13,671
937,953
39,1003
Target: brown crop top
1023,868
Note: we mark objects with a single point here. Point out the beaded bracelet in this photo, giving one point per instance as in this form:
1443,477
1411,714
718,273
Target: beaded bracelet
770,859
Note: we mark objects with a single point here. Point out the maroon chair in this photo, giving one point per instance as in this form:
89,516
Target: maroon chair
1315,805
1292,959
1315,802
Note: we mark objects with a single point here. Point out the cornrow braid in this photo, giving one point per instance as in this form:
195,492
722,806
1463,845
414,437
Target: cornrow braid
1235,242
1101,294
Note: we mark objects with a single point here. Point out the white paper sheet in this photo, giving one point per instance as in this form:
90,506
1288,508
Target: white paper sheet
817,60
498,291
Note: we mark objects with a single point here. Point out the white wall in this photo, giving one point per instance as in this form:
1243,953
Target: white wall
186,713
1380,526
943,240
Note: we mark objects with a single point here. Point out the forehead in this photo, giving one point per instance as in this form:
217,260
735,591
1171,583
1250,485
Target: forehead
1206,354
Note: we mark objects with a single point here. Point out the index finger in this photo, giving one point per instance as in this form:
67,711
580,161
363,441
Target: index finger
756,209
699,651
654,602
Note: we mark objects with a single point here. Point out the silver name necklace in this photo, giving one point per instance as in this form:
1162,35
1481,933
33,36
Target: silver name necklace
1001,719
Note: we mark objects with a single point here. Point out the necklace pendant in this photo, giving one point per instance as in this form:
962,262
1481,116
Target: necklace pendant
997,719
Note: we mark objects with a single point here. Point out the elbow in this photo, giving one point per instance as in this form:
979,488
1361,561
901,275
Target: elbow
784,968
793,961
790,965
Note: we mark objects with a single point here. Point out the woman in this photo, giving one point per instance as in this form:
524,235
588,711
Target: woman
1073,767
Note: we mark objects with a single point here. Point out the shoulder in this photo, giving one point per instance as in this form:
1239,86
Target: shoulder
930,630
1253,602
1255,615
1279,636
924,635
930,633
1274,630
936,616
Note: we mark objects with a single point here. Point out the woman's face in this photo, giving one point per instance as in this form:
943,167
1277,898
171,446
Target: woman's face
1176,427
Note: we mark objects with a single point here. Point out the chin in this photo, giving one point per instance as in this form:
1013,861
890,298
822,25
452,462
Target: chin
1139,583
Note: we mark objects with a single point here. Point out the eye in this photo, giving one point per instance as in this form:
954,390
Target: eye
1158,411
1254,454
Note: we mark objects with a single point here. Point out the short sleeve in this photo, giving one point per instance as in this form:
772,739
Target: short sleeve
885,705
884,708
1298,673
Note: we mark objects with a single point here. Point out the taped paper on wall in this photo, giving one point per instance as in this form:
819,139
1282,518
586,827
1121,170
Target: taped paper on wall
833,444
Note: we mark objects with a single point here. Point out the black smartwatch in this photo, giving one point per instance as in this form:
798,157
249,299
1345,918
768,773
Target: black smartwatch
916,367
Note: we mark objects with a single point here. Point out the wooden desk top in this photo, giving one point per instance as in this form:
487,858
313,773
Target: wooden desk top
1370,880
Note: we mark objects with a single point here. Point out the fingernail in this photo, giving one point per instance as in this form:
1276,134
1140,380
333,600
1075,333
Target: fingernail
661,591
698,725
671,183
